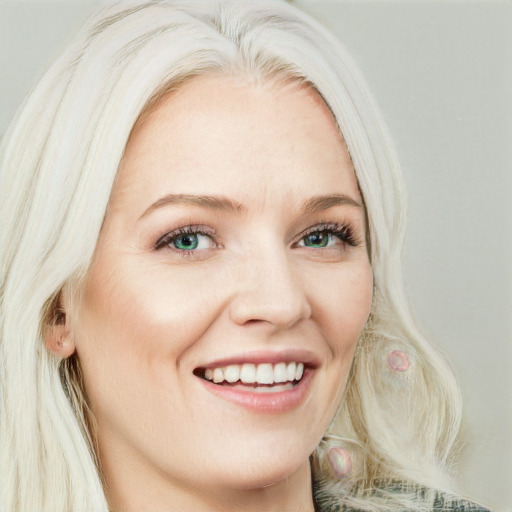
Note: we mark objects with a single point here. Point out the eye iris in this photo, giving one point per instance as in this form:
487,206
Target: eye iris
317,239
186,242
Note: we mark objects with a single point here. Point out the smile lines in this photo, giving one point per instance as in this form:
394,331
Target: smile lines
249,373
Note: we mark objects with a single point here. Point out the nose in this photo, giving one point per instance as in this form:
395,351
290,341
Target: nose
269,291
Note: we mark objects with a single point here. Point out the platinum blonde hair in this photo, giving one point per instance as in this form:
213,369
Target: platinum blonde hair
58,163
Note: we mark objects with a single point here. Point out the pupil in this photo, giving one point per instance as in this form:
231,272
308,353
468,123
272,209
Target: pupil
317,239
186,242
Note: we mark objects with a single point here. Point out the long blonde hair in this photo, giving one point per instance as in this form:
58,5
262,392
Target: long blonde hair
58,163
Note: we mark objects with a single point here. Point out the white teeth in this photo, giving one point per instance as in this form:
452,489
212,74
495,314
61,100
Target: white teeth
265,374
232,373
280,372
218,375
249,373
299,371
290,371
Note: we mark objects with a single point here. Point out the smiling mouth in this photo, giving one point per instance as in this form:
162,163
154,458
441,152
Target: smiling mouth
262,378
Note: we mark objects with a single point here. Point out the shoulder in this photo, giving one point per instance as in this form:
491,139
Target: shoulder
424,499
443,502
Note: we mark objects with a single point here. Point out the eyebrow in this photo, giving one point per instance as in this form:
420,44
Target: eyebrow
211,202
314,204
319,203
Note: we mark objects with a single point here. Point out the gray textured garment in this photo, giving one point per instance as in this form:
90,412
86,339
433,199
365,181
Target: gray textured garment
428,500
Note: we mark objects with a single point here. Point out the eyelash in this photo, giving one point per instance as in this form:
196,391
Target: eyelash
168,238
342,231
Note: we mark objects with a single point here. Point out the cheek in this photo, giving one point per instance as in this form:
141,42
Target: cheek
341,310
342,306
141,316
146,302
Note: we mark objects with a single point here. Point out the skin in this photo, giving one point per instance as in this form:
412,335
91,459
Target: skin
150,316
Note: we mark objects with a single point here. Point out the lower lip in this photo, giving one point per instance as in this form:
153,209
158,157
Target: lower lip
275,401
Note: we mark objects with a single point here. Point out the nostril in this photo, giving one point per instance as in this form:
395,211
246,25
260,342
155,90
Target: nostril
253,321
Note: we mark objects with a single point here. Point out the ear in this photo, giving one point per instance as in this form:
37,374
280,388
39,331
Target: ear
58,337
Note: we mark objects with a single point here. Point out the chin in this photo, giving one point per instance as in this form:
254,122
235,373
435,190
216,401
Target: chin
263,464
262,475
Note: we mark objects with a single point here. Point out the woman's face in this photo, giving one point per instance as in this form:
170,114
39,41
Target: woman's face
232,255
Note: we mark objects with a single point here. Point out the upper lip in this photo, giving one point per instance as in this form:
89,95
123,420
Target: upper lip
305,356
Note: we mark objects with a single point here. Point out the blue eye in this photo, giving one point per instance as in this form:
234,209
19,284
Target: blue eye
186,242
328,235
317,240
187,239
191,242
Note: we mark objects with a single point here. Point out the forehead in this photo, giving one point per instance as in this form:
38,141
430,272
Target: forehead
224,134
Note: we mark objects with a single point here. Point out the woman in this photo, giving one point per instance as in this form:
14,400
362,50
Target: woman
207,273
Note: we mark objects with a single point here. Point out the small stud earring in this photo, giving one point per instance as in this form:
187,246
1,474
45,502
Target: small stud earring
398,361
339,461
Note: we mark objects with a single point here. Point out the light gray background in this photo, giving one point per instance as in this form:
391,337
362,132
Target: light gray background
441,73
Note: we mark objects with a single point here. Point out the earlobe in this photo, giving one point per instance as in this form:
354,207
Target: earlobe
58,337
59,341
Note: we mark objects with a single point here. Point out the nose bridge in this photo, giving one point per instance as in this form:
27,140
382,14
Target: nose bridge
269,288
